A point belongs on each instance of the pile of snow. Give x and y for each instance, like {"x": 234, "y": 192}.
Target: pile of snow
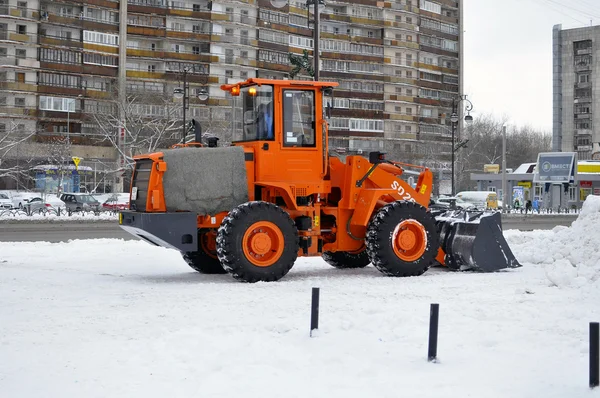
{"x": 571, "y": 255}
{"x": 51, "y": 217}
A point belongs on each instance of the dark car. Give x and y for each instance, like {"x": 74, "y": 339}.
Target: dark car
{"x": 80, "y": 201}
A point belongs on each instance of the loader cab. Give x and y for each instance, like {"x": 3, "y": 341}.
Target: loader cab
{"x": 283, "y": 121}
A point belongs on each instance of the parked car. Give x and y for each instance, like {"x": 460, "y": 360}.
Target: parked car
{"x": 5, "y": 202}
{"x": 117, "y": 202}
{"x": 80, "y": 201}
{"x": 34, "y": 205}
{"x": 460, "y": 204}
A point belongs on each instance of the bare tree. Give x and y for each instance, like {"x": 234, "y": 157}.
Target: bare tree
{"x": 12, "y": 164}
{"x": 485, "y": 147}
{"x": 151, "y": 121}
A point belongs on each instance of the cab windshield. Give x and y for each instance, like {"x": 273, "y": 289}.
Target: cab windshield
{"x": 253, "y": 114}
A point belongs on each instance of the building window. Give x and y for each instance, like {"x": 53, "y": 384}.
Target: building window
{"x": 243, "y": 75}
{"x": 22, "y": 29}
{"x": 229, "y": 74}
{"x": 151, "y": 68}
{"x": 409, "y": 74}
{"x": 409, "y": 111}
{"x": 408, "y": 129}
{"x": 244, "y": 54}
{"x": 408, "y": 20}
{"x": 20, "y": 102}
{"x": 20, "y": 53}
{"x": 408, "y": 38}
{"x": 572, "y": 194}
{"x": 3, "y": 101}
{"x": 3, "y": 52}
{"x": 398, "y": 90}
{"x": 196, "y": 50}
{"x": 57, "y": 104}
{"x": 583, "y": 78}
{"x": 409, "y": 92}
{"x": 196, "y": 7}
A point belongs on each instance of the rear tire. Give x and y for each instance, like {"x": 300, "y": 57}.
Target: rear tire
{"x": 257, "y": 241}
{"x": 205, "y": 260}
{"x": 402, "y": 239}
{"x": 346, "y": 260}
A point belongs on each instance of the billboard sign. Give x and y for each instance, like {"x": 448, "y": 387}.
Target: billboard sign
{"x": 555, "y": 167}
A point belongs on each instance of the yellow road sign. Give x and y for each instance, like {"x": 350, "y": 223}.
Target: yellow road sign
{"x": 76, "y": 160}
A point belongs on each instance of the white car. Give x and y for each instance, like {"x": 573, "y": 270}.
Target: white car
{"x": 460, "y": 204}
{"x": 5, "y": 202}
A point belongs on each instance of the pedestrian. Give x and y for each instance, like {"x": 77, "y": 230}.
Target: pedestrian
{"x": 528, "y": 207}
{"x": 536, "y": 206}
{"x": 517, "y": 204}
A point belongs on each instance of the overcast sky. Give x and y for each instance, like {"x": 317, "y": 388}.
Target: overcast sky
{"x": 508, "y": 54}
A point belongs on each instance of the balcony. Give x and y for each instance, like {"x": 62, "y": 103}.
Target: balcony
{"x": 59, "y": 90}
{"x": 57, "y": 41}
{"x": 175, "y": 34}
{"x": 140, "y": 74}
{"x": 22, "y": 38}
{"x": 583, "y": 116}
{"x": 18, "y": 12}
{"x": 146, "y": 31}
{"x": 581, "y": 67}
{"x": 19, "y": 86}
{"x": 17, "y": 111}
{"x": 22, "y": 62}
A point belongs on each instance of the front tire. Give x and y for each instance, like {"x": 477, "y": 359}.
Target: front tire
{"x": 257, "y": 241}
{"x": 347, "y": 260}
{"x": 402, "y": 239}
{"x": 205, "y": 260}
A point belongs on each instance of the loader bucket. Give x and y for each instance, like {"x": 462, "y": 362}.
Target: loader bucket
{"x": 473, "y": 240}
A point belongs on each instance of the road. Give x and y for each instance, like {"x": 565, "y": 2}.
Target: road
{"x": 60, "y": 232}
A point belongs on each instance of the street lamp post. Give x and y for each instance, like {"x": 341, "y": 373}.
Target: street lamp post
{"x": 319, "y": 6}
{"x": 454, "y": 119}
{"x": 184, "y": 94}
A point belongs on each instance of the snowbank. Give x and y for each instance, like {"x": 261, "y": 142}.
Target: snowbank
{"x": 571, "y": 255}
{"x": 64, "y": 217}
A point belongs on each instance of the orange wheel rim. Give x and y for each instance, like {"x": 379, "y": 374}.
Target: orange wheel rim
{"x": 263, "y": 244}
{"x": 409, "y": 240}
{"x": 208, "y": 242}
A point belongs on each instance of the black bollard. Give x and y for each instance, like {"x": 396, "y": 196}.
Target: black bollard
{"x": 594, "y": 355}
{"x": 434, "y": 314}
{"x": 314, "y": 312}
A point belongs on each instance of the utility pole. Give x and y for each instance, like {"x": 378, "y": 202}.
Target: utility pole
{"x": 185, "y": 101}
{"x": 504, "y": 203}
{"x": 316, "y": 40}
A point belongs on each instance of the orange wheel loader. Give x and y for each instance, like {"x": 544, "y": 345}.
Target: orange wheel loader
{"x": 252, "y": 207}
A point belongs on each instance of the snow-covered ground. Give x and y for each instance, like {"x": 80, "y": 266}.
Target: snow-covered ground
{"x": 111, "y": 318}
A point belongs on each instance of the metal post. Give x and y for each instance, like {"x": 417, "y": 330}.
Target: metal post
{"x": 68, "y": 122}
{"x": 316, "y": 41}
{"x": 185, "y": 98}
{"x": 314, "y": 313}
{"x": 594, "y": 355}
{"x": 504, "y": 203}
{"x": 434, "y": 314}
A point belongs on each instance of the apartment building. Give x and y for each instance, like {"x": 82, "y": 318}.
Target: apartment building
{"x": 64, "y": 61}
{"x": 576, "y": 91}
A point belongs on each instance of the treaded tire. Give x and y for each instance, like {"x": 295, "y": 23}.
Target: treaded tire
{"x": 380, "y": 245}
{"x": 204, "y": 260}
{"x": 347, "y": 260}
{"x": 232, "y": 242}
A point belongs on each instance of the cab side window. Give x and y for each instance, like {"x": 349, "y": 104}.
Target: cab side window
{"x": 298, "y": 118}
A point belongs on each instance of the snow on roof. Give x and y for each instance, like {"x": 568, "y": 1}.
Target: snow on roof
{"x": 525, "y": 168}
